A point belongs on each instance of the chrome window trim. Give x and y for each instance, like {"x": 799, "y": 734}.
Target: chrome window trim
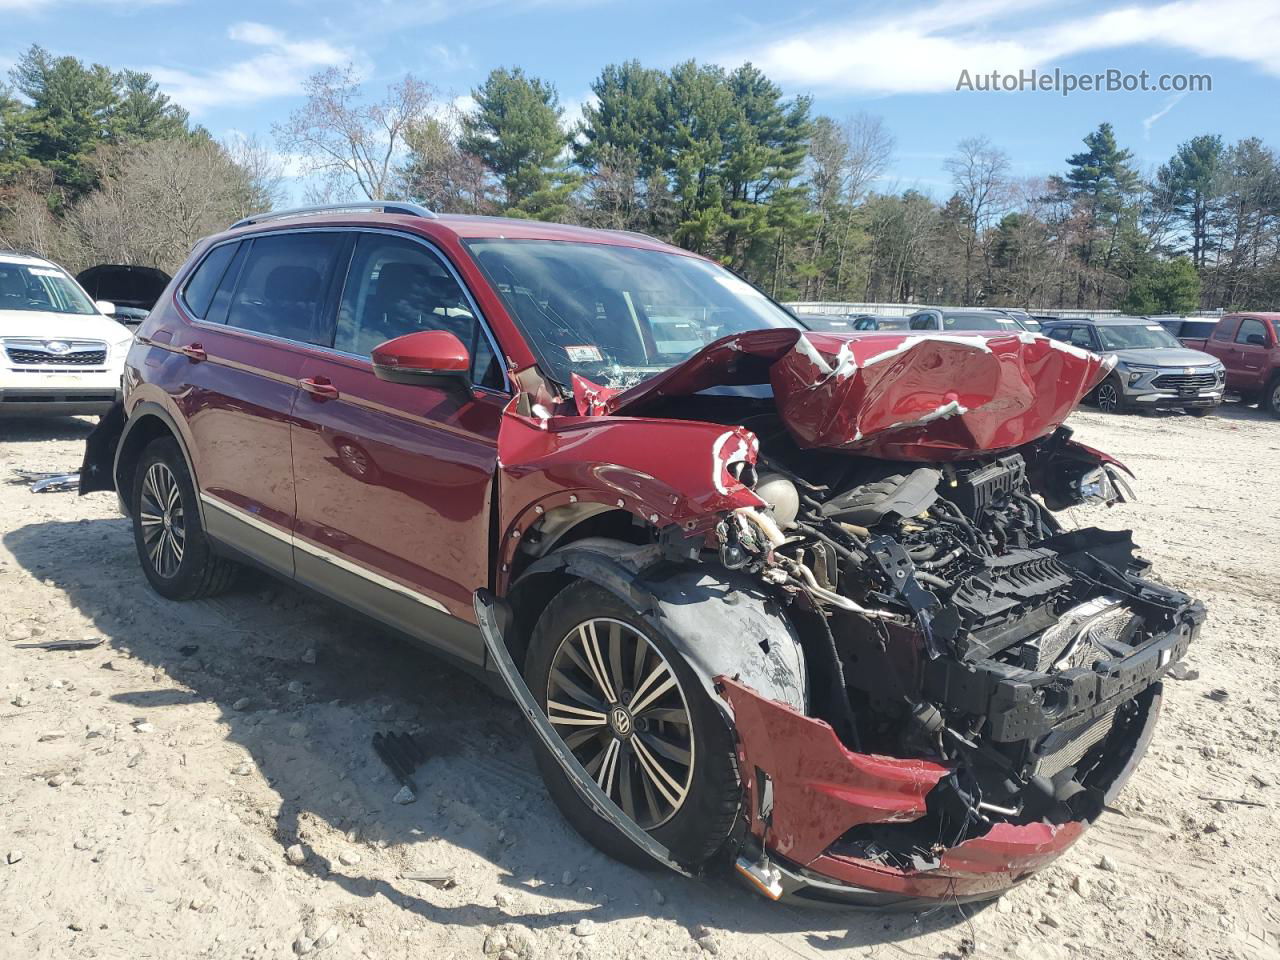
{"x": 499, "y": 355}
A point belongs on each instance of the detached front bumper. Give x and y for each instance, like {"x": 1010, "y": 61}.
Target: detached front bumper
{"x": 805, "y": 790}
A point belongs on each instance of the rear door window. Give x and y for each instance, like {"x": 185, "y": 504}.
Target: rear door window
{"x": 922, "y": 321}
{"x": 283, "y": 284}
{"x": 199, "y": 291}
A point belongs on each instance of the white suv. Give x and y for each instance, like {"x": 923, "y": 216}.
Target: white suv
{"x": 59, "y": 352}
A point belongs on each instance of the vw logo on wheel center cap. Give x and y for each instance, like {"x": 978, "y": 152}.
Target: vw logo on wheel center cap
{"x": 620, "y": 721}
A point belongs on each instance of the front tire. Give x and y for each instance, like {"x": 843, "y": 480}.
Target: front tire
{"x": 1271, "y": 400}
{"x": 173, "y": 549}
{"x": 1110, "y": 396}
{"x": 638, "y": 719}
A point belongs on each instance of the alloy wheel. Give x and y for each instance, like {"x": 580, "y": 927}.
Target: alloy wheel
{"x": 354, "y": 459}
{"x": 164, "y": 532}
{"x": 1108, "y": 398}
{"x": 617, "y": 703}
{"x": 1275, "y": 399}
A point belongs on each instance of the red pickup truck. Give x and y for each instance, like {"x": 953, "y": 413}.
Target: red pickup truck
{"x": 1248, "y": 344}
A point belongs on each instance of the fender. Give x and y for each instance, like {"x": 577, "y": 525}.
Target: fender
{"x": 723, "y": 623}
{"x": 111, "y": 437}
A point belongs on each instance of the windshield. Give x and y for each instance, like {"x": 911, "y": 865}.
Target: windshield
{"x": 30, "y": 287}
{"x": 1135, "y": 336}
{"x": 978, "y": 321}
{"x": 618, "y": 315}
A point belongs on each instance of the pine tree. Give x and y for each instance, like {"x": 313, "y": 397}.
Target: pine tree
{"x": 516, "y": 132}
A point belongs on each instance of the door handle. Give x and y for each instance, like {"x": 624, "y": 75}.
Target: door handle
{"x": 319, "y": 387}
{"x": 195, "y": 353}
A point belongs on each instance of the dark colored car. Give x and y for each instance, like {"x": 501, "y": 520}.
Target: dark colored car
{"x": 1248, "y": 344}
{"x": 767, "y": 596}
{"x": 1153, "y": 371}
{"x": 1192, "y": 332}
{"x": 132, "y": 289}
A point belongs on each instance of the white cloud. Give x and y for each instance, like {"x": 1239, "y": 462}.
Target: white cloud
{"x": 572, "y": 109}
{"x": 441, "y": 56}
{"x": 925, "y": 49}
{"x": 277, "y": 71}
{"x": 1149, "y": 122}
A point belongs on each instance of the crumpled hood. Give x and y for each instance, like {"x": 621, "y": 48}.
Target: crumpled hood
{"x": 892, "y": 395}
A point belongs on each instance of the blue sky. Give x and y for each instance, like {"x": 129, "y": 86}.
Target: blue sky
{"x": 238, "y": 66}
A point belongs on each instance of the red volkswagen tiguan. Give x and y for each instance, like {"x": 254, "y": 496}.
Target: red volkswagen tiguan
{"x": 787, "y": 600}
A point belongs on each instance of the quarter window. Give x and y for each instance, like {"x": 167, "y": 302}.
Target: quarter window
{"x": 198, "y": 293}
{"x": 395, "y": 287}
{"x": 282, "y": 286}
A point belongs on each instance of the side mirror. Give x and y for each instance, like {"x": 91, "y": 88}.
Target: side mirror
{"x": 1257, "y": 339}
{"x": 105, "y": 307}
{"x": 427, "y": 358}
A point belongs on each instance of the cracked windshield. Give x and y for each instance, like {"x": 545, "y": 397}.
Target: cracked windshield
{"x": 618, "y": 315}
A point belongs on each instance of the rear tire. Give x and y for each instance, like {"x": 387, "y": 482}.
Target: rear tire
{"x": 584, "y": 615}
{"x": 174, "y": 551}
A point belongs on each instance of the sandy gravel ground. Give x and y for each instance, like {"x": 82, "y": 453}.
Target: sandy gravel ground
{"x": 202, "y": 785}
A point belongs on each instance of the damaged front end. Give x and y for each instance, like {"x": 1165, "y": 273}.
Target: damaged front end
{"x": 980, "y": 682}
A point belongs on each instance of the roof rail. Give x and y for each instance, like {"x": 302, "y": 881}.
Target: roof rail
{"x": 385, "y": 206}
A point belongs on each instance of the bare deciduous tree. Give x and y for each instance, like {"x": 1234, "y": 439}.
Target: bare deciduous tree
{"x": 263, "y": 169}
{"x": 869, "y": 149}
{"x": 350, "y": 143}
{"x": 441, "y": 175}
{"x": 979, "y": 172}
{"x": 155, "y": 200}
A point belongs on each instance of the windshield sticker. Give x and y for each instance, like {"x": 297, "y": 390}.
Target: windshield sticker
{"x": 43, "y": 272}
{"x": 583, "y": 353}
{"x": 1156, "y": 327}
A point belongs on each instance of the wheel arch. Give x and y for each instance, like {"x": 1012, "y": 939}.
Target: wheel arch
{"x": 149, "y": 422}
{"x": 722, "y": 622}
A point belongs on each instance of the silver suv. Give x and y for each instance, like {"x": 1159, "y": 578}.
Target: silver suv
{"x": 1153, "y": 370}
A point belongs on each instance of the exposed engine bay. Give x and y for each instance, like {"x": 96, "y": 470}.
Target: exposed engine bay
{"x": 934, "y": 684}
{"x": 960, "y": 622}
